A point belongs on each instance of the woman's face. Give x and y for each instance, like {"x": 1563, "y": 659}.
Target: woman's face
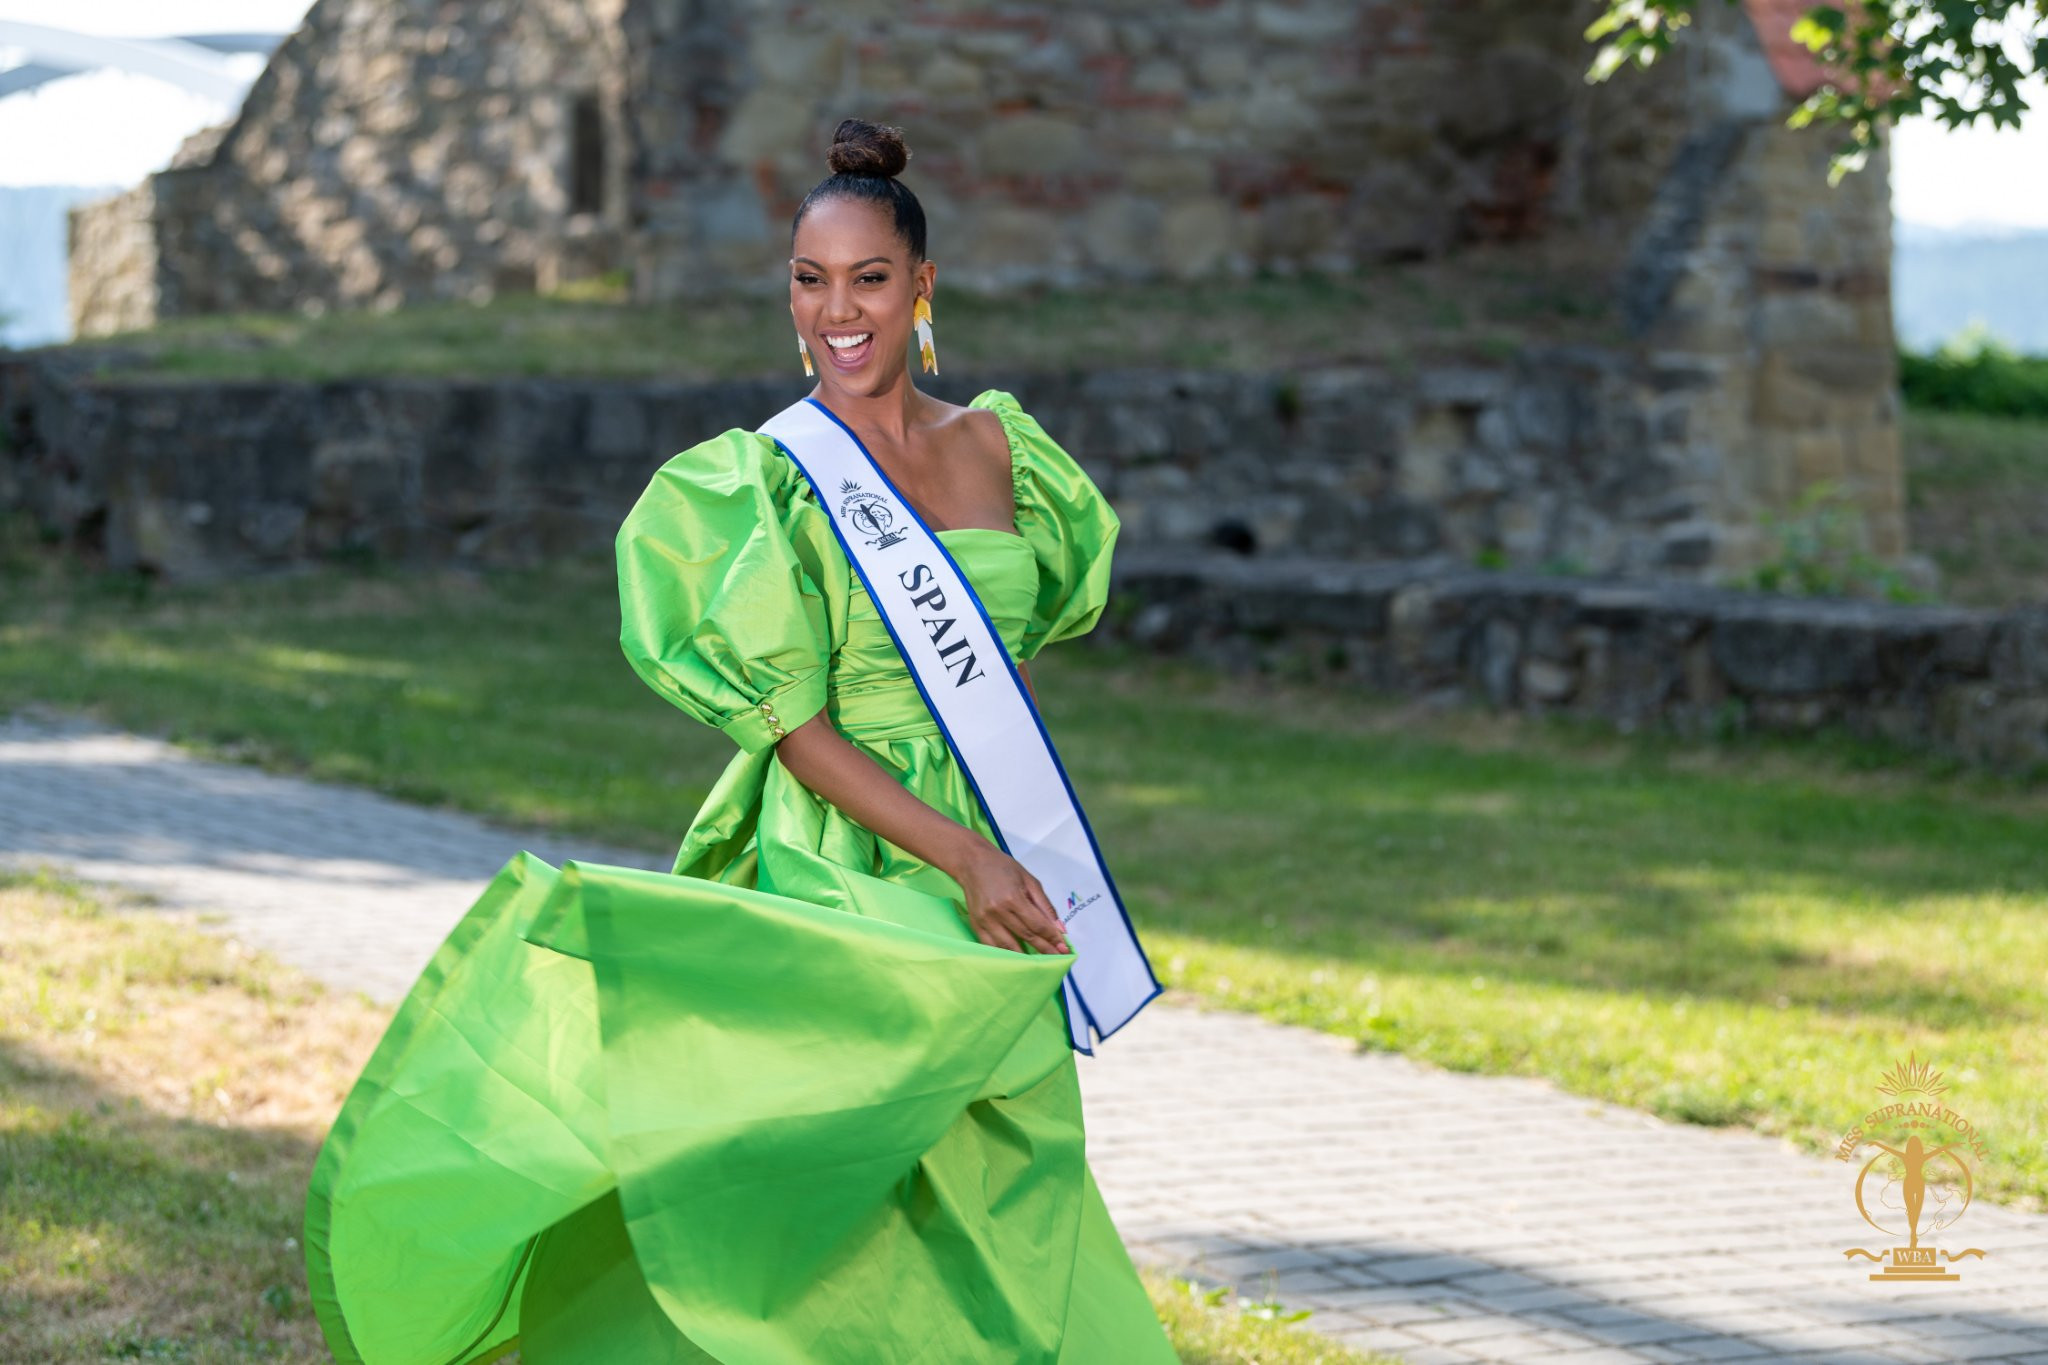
{"x": 850, "y": 277}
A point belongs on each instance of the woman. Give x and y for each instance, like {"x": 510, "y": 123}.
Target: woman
{"x": 810, "y": 1097}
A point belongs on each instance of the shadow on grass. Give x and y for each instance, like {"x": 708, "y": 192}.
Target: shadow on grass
{"x": 128, "y": 1234}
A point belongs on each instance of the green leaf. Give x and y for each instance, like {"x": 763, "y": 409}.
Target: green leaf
{"x": 1813, "y": 36}
{"x": 1606, "y": 63}
{"x": 1605, "y": 24}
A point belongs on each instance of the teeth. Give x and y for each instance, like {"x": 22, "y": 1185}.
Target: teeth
{"x": 841, "y": 343}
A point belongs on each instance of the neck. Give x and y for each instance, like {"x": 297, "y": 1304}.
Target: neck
{"x": 889, "y": 412}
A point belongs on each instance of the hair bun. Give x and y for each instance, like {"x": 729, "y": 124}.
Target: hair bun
{"x": 863, "y": 148}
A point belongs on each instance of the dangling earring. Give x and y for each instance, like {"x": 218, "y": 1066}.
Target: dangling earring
{"x": 922, "y": 316}
{"x": 805, "y": 352}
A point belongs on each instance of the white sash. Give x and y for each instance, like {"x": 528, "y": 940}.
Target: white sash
{"x": 984, "y": 711}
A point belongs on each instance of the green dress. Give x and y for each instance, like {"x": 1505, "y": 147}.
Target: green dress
{"x": 777, "y": 1106}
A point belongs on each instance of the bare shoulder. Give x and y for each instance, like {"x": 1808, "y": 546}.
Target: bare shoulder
{"x": 977, "y": 430}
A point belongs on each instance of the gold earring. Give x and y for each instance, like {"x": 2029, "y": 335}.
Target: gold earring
{"x": 922, "y": 316}
{"x": 805, "y": 352}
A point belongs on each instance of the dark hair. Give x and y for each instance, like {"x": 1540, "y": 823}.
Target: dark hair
{"x": 865, "y": 160}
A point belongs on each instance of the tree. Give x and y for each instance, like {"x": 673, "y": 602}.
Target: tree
{"x": 1953, "y": 60}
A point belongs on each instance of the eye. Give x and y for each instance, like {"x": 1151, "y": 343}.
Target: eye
{"x": 806, "y": 277}
{"x": 876, "y": 275}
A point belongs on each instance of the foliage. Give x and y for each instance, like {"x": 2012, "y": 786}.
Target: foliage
{"x": 1821, "y": 550}
{"x": 1976, "y": 372}
{"x": 1952, "y": 60}
{"x": 612, "y": 286}
{"x": 1268, "y": 1309}
{"x": 1217, "y": 1326}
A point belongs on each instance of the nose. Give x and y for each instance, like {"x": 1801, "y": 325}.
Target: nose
{"x": 840, "y": 306}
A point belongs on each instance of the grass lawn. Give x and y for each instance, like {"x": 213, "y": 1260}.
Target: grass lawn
{"x": 162, "y": 1094}
{"x": 1483, "y": 302}
{"x": 1741, "y": 934}
{"x": 1977, "y": 503}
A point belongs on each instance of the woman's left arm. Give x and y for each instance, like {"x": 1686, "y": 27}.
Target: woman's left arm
{"x": 1024, "y": 672}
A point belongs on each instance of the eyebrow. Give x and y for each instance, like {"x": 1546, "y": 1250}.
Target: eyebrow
{"x": 855, "y": 266}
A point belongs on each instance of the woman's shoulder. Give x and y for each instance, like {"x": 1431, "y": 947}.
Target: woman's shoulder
{"x": 1034, "y": 454}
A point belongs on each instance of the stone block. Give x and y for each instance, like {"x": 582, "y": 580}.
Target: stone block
{"x": 1547, "y": 682}
{"x": 1195, "y": 236}
{"x": 1794, "y": 651}
{"x": 2018, "y": 653}
{"x": 1036, "y": 144}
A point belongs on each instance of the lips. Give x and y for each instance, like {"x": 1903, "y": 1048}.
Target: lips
{"x": 850, "y": 357}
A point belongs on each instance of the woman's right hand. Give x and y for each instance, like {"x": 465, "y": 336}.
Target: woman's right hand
{"x": 1006, "y": 904}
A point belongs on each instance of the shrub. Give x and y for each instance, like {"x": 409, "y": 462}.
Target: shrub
{"x": 1976, "y": 372}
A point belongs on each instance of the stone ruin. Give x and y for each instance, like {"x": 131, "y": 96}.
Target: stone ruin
{"x": 397, "y": 151}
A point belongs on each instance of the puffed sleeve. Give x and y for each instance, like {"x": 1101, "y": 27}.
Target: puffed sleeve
{"x": 1069, "y": 523}
{"x": 725, "y": 594}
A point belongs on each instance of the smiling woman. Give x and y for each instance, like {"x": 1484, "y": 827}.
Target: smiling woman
{"x": 811, "y": 1095}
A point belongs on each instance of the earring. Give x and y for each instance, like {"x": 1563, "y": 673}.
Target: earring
{"x": 805, "y": 352}
{"x": 922, "y": 316}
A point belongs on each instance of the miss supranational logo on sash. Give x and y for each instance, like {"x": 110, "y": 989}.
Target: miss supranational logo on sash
{"x": 868, "y": 512}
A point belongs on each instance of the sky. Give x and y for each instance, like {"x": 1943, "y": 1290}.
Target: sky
{"x": 109, "y": 128}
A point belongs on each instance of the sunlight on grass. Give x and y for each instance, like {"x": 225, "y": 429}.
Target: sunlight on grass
{"x": 297, "y": 661}
{"x": 1721, "y": 933}
{"x": 161, "y": 1091}
{"x": 1152, "y": 795}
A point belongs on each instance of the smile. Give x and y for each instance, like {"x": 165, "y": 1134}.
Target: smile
{"x": 850, "y": 351}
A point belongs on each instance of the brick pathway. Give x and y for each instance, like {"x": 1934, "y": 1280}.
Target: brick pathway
{"x": 1440, "y": 1216}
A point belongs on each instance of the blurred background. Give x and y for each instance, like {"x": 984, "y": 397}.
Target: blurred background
{"x": 81, "y": 120}
{"x": 1623, "y": 326}
{"x": 1591, "y": 560}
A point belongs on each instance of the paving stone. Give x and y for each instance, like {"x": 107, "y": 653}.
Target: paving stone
{"x": 1440, "y": 1355}
{"x": 1374, "y": 1338}
{"x": 1721, "y": 1348}
{"x": 1466, "y": 1330}
{"x": 1985, "y": 1345}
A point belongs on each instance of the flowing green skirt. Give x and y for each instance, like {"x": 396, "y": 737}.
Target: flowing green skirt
{"x": 630, "y": 1116}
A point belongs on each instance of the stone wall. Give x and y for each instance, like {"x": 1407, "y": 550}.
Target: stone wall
{"x": 198, "y": 481}
{"x": 111, "y": 250}
{"x": 402, "y": 150}
{"x": 1067, "y": 145}
{"x": 392, "y": 151}
{"x": 1969, "y": 683}
{"x": 1571, "y": 458}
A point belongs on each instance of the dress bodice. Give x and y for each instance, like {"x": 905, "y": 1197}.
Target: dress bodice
{"x": 870, "y": 694}
{"x": 738, "y": 602}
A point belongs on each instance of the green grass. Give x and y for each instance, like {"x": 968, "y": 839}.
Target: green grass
{"x": 1484, "y": 302}
{"x": 161, "y": 1096}
{"x": 1977, "y": 503}
{"x": 1748, "y": 933}
{"x": 163, "y": 1092}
